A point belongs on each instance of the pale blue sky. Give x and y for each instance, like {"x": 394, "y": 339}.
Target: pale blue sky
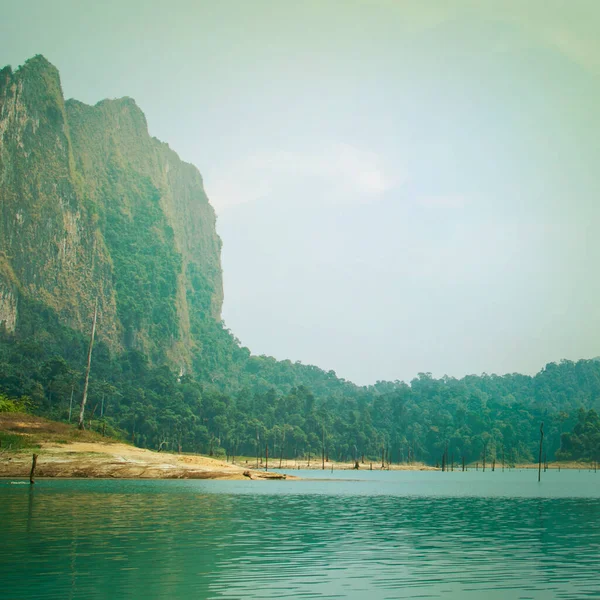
{"x": 401, "y": 186}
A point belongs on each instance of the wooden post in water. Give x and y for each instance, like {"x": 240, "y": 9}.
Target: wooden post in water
{"x": 493, "y": 464}
{"x": 388, "y": 454}
{"x": 267, "y": 456}
{"x": 32, "y": 472}
{"x": 540, "y": 457}
{"x": 463, "y": 462}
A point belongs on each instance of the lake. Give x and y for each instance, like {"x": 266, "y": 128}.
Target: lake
{"x": 380, "y": 535}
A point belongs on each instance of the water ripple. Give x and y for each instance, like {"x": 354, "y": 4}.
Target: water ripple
{"x": 117, "y": 539}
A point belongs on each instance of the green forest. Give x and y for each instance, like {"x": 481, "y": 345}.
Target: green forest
{"x": 238, "y": 403}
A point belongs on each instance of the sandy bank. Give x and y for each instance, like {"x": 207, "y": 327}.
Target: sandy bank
{"x": 97, "y": 457}
{"x": 102, "y": 460}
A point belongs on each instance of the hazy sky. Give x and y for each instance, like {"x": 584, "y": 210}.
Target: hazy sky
{"x": 401, "y": 186}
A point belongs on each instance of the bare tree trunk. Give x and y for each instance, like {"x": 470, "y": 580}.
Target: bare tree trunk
{"x": 71, "y": 401}
{"x": 323, "y": 450}
{"x": 540, "y": 457}
{"x": 87, "y": 370}
{"x": 92, "y": 416}
{"x": 484, "y": 455}
{"x": 266, "y": 457}
{"x": 257, "y": 447}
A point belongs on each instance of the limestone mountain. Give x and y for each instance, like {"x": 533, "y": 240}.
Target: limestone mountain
{"x": 93, "y": 206}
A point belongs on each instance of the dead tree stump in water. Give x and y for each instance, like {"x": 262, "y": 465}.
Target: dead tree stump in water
{"x": 32, "y": 473}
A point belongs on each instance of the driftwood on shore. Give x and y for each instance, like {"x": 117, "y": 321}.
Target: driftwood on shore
{"x": 255, "y": 475}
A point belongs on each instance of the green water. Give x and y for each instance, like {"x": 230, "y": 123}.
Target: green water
{"x": 387, "y": 535}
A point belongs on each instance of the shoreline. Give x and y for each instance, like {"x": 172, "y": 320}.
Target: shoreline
{"x": 65, "y": 452}
{"x": 116, "y": 460}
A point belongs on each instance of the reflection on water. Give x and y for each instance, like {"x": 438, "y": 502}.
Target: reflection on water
{"x": 392, "y": 535}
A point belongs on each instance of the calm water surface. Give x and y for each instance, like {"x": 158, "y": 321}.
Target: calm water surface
{"x": 385, "y": 535}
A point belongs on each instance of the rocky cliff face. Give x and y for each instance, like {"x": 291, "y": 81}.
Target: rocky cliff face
{"x": 92, "y": 206}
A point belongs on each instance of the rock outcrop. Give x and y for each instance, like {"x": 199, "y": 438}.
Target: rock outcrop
{"x": 92, "y": 206}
